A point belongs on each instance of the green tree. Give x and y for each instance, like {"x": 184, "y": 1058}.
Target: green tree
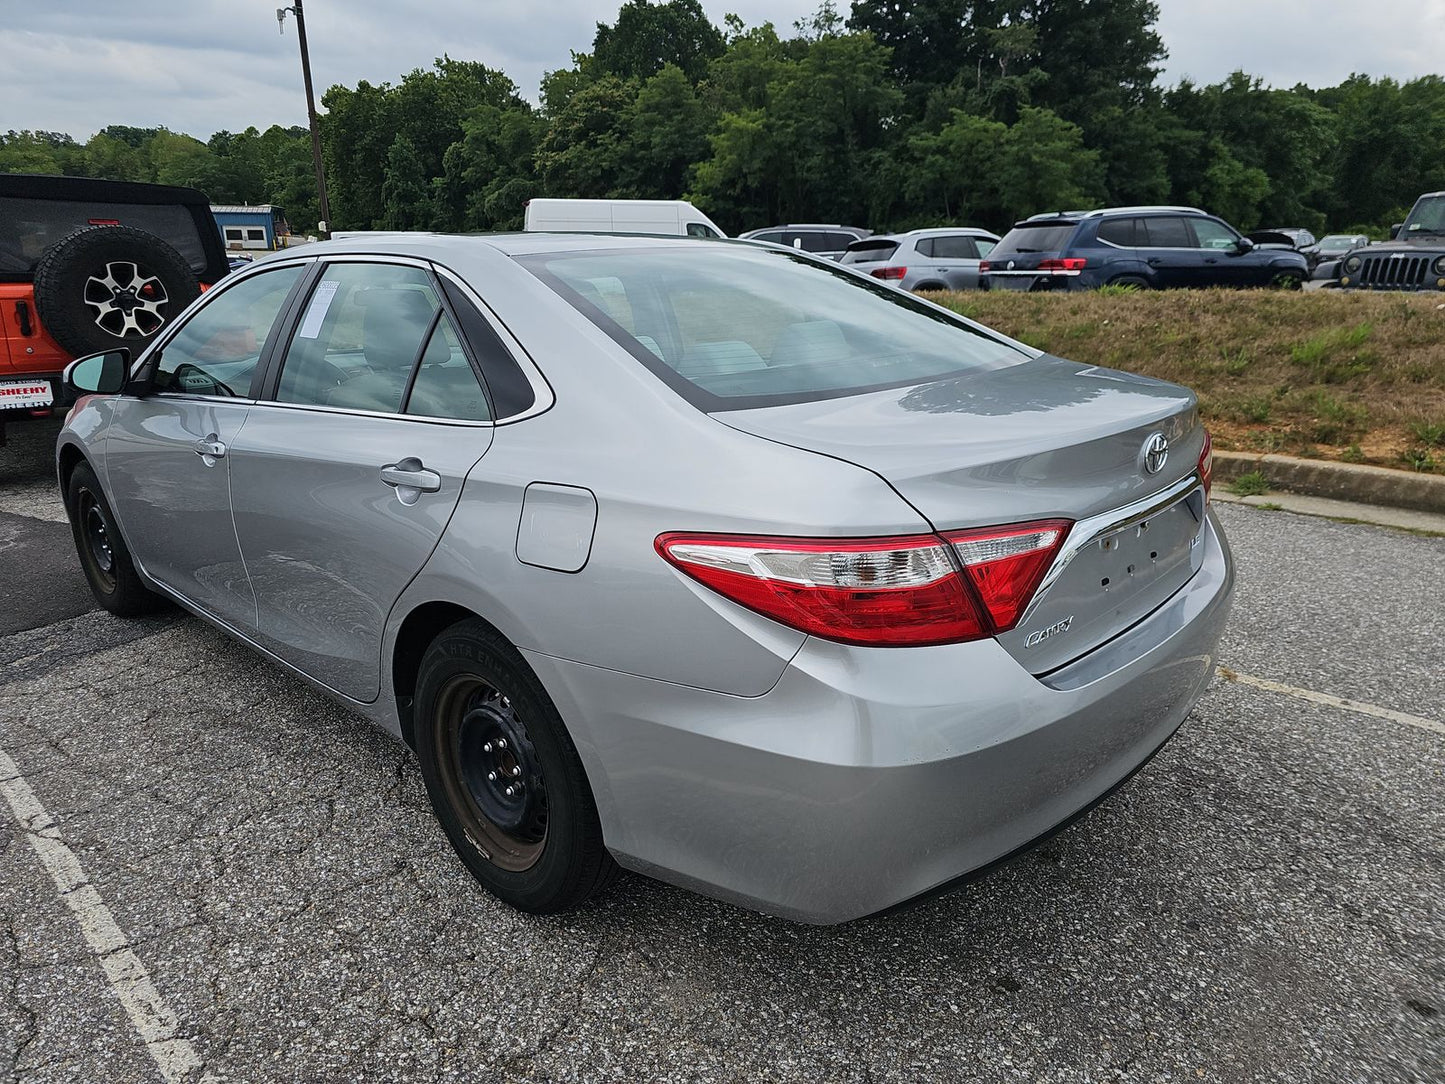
{"x": 649, "y": 36}
{"x": 405, "y": 192}
{"x": 1043, "y": 165}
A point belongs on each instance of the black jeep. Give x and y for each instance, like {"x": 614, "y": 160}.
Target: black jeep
{"x": 1413, "y": 258}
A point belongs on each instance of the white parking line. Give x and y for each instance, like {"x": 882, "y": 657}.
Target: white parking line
{"x": 175, "y": 1057}
{"x": 1418, "y": 721}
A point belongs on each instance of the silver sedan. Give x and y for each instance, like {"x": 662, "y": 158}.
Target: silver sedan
{"x": 697, "y": 558}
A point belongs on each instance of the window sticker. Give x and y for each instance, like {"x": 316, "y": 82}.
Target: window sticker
{"x": 317, "y": 310}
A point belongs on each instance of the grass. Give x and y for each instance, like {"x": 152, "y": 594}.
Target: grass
{"x": 1358, "y": 377}
{"x": 1249, "y": 485}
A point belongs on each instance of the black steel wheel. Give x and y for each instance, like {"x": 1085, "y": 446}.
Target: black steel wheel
{"x": 503, "y": 776}
{"x": 103, "y": 555}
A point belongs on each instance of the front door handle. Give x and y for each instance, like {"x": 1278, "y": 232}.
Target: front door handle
{"x": 410, "y": 474}
{"x": 210, "y": 448}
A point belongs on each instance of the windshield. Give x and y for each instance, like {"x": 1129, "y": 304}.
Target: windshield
{"x": 1338, "y": 242}
{"x": 734, "y": 327}
{"x": 1427, "y": 216}
{"x": 1050, "y": 238}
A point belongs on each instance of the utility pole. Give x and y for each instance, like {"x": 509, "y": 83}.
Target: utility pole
{"x": 324, "y": 226}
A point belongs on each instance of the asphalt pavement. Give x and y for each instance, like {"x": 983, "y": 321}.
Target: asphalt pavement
{"x": 1263, "y": 902}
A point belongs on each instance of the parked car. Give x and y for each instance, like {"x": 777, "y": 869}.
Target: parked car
{"x": 1145, "y": 247}
{"x": 1292, "y": 236}
{"x": 1333, "y": 246}
{"x": 88, "y": 265}
{"x": 712, "y": 560}
{"x": 821, "y": 240}
{"x": 1413, "y": 258}
{"x": 669, "y": 217}
{"x": 934, "y": 259}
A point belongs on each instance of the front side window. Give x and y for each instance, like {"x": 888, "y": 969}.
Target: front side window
{"x": 1214, "y": 235}
{"x": 359, "y": 337}
{"x": 700, "y": 229}
{"x": 735, "y": 327}
{"x": 216, "y": 351}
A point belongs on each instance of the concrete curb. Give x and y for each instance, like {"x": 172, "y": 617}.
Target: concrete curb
{"x": 1338, "y": 481}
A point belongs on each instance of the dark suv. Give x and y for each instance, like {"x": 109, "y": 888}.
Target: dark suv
{"x": 1413, "y": 258}
{"x": 1147, "y": 247}
{"x": 90, "y": 265}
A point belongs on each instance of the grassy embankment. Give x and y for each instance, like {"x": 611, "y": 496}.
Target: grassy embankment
{"x": 1350, "y": 376}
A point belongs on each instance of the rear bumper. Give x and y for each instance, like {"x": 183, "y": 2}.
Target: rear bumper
{"x": 9, "y": 381}
{"x": 867, "y": 777}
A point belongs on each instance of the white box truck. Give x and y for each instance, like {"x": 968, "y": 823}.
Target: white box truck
{"x": 673, "y": 217}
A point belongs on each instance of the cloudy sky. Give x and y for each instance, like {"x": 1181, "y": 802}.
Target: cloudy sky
{"x": 201, "y": 65}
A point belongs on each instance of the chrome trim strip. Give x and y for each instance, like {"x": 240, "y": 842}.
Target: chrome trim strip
{"x": 1036, "y": 272}
{"x": 1104, "y": 524}
{"x": 321, "y": 408}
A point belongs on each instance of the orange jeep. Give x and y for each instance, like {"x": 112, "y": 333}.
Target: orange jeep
{"x": 88, "y": 265}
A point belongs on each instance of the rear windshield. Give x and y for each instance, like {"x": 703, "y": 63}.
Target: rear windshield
{"x": 29, "y": 226}
{"x": 869, "y": 251}
{"x": 1044, "y": 238}
{"x": 732, "y": 327}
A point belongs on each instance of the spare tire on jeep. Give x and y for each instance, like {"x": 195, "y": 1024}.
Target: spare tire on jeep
{"x": 110, "y": 286}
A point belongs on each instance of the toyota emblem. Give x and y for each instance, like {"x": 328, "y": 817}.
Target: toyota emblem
{"x": 1154, "y": 453}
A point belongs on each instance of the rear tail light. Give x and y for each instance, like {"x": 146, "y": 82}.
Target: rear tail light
{"x": 888, "y": 272}
{"x": 1206, "y": 465}
{"x": 881, "y": 592}
{"x": 982, "y": 266}
{"x": 1069, "y": 263}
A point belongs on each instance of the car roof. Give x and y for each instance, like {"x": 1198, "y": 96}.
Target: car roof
{"x": 94, "y": 190}
{"x": 1102, "y": 211}
{"x": 440, "y": 245}
{"x": 807, "y": 226}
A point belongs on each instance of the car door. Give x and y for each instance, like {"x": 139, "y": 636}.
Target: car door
{"x": 1221, "y": 262}
{"x": 1166, "y": 244}
{"x": 955, "y": 258}
{"x": 348, "y": 470}
{"x": 167, "y": 454}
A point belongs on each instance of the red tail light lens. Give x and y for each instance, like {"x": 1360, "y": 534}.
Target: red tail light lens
{"x": 888, "y": 272}
{"x": 1071, "y": 263}
{"x": 1206, "y": 465}
{"x": 881, "y": 592}
{"x": 1005, "y": 564}
{"x": 982, "y": 266}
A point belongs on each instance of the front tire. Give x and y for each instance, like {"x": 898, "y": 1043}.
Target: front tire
{"x": 1287, "y": 280}
{"x": 104, "y": 558}
{"x": 503, "y": 775}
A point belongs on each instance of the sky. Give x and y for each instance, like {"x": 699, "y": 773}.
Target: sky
{"x": 199, "y": 66}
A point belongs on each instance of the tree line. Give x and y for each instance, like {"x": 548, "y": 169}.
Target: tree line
{"x": 933, "y": 112}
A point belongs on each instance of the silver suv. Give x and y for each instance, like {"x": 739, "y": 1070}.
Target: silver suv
{"x": 936, "y": 259}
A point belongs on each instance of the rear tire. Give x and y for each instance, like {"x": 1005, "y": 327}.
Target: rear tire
{"x": 922, "y": 286}
{"x": 1138, "y": 282}
{"x": 104, "y": 558}
{"x": 503, "y": 775}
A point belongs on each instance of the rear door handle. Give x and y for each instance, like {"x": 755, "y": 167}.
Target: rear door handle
{"x": 411, "y": 474}
{"x": 210, "y": 447}
{"x": 1154, "y": 261}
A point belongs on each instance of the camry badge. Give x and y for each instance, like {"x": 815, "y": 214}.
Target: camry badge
{"x": 1154, "y": 453}
{"x": 1053, "y": 630}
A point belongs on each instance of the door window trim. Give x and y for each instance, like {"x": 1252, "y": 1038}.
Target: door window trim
{"x": 231, "y": 281}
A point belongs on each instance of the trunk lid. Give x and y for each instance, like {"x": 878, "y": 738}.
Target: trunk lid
{"x": 1042, "y": 440}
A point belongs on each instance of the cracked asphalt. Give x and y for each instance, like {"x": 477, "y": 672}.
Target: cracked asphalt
{"x": 1262, "y": 903}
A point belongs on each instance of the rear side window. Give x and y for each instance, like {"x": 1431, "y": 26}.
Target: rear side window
{"x": 1041, "y": 238}
{"x": 1118, "y": 231}
{"x": 1164, "y": 232}
{"x": 837, "y": 242}
{"x": 359, "y": 337}
{"x": 869, "y": 251}
{"x": 956, "y": 247}
{"x": 29, "y": 226}
{"x": 736, "y": 327}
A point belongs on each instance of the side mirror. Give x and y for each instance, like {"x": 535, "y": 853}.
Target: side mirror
{"x": 98, "y": 374}
{"x": 1243, "y": 245}
{"x": 1395, "y": 230}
